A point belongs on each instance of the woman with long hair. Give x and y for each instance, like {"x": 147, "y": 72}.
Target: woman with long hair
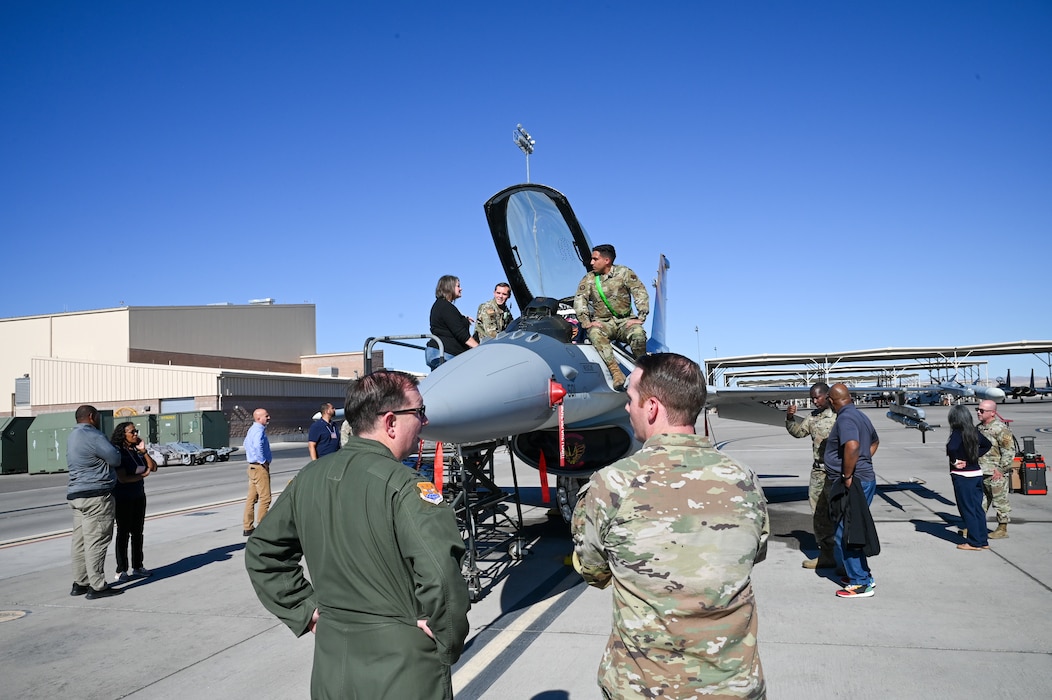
{"x": 130, "y": 499}
{"x": 964, "y": 448}
{"x": 448, "y": 324}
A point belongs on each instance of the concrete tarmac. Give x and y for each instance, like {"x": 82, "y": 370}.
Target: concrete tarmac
{"x": 944, "y": 623}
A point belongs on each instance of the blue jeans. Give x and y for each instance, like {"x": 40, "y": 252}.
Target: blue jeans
{"x": 853, "y": 560}
{"x": 968, "y": 490}
{"x": 432, "y": 358}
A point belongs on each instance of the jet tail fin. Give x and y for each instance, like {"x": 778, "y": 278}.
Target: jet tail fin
{"x": 656, "y": 341}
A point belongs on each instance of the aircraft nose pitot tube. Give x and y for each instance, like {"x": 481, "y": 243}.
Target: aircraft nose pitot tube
{"x": 503, "y": 390}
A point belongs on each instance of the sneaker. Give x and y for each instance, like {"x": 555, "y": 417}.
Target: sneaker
{"x": 79, "y": 589}
{"x": 141, "y": 573}
{"x": 123, "y": 577}
{"x": 856, "y": 592}
{"x": 845, "y": 581}
{"x": 104, "y": 593}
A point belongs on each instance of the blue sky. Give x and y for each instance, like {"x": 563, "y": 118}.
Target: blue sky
{"x": 821, "y": 175}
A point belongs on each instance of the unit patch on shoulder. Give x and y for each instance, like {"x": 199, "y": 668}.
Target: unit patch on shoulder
{"x": 429, "y": 493}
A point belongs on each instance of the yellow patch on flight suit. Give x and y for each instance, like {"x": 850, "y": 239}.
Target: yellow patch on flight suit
{"x": 429, "y": 493}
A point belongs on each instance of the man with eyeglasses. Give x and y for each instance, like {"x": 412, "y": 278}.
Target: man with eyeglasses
{"x": 996, "y": 465}
{"x": 386, "y": 597}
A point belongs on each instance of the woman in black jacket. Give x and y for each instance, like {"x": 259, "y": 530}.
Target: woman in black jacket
{"x": 448, "y": 324}
{"x": 964, "y": 448}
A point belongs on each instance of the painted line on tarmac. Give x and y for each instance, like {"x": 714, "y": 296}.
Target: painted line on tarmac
{"x": 472, "y": 679}
{"x": 44, "y": 537}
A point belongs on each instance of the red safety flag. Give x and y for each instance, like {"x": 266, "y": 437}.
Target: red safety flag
{"x": 562, "y": 437}
{"x": 542, "y": 467}
{"x": 438, "y": 468}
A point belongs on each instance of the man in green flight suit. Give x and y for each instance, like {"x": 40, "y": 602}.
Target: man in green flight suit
{"x": 677, "y": 528}
{"x": 603, "y": 305}
{"x": 386, "y": 597}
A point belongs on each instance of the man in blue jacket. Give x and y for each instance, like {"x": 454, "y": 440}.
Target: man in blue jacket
{"x": 92, "y": 463}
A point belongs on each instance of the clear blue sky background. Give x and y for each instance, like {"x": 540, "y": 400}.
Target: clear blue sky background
{"x": 821, "y": 175}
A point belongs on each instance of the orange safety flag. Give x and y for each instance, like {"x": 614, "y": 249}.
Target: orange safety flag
{"x": 542, "y": 467}
{"x": 438, "y": 468}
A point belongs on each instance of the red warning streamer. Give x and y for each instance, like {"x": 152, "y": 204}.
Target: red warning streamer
{"x": 562, "y": 437}
{"x": 542, "y": 467}
{"x": 438, "y": 467}
{"x": 556, "y": 394}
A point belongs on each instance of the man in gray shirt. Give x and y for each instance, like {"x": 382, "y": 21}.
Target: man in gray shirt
{"x": 92, "y": 463}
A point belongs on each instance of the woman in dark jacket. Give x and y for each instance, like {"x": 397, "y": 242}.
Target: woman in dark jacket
{"x": 447, "y": 323}
{"x": 130, "y": 499}
{"x": 964, "y": 448}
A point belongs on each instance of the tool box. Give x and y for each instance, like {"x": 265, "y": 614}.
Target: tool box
{"x": 1032, "y": 475}
{"x": 1032, "y": 470}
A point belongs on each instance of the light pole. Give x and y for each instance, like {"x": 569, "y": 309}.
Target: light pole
{"x": 525, "y": 142}
{"x": 697, "y": 336}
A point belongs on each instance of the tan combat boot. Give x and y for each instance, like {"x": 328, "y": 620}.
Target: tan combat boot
{"x": 617, "y": 376}
{"x": 824, "y": 560}
{"x": 1000, "y": 533}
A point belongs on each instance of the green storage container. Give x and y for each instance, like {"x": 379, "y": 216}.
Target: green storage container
{"x": 146, "y": 424}
{"x": 204, "y": 428}
{"x": 168, "y": 428}
{"x": 14, "y": 450}
{"x": 47, "y": 436}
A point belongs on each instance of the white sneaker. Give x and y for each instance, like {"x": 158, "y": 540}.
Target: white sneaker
{"x": 141, "y": 573}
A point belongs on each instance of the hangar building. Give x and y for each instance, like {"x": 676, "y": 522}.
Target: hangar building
{"x": 163, "y": 359}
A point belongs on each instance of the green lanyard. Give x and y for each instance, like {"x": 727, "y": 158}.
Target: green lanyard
{"x": 599, "y": 288}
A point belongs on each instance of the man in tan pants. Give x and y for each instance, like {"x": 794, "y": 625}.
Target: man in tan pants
{"x": 257, "y": 453}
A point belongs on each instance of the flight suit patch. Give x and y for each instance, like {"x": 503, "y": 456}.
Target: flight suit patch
{"x": 429, "y": 493}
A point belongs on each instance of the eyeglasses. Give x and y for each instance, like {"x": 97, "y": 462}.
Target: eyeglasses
{"x": 132, "y": 432}
{"x": 420, "y": 412}
{"x": 983, "y": 410}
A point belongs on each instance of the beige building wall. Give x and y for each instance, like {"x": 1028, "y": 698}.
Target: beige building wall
{"x": 263, "y": 338}
{"x": 74, "y": 382}
{"x": 21, "y": 339}
{"x": 87, "y": 335}
{"x": 278, "y": 333}
{"x": 99, "y": 336}
{"x": 349, "y": 365}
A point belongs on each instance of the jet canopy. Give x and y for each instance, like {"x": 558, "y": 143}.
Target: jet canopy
{"x": 542, "y": 246}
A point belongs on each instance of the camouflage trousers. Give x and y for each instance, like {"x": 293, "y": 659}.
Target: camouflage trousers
{"x": 995, "y": 493}
{"x": 617, "y": 329}
{"x": 825, "y": 529}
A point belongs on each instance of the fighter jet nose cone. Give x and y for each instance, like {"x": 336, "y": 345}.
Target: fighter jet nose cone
{"x": 489, "y": 392}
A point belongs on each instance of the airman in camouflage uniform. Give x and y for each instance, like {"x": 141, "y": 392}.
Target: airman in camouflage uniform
{"x": 818, "y": 425}
{"x": 612, "y": 319}
{"x": 996, "y": 465}
{"x": 493, "y": 316}
{"x": 677, "y": 528}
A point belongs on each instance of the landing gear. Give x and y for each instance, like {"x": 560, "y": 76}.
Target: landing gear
{"x": 517, "y": 549}
{"x": 566, "y": 494}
